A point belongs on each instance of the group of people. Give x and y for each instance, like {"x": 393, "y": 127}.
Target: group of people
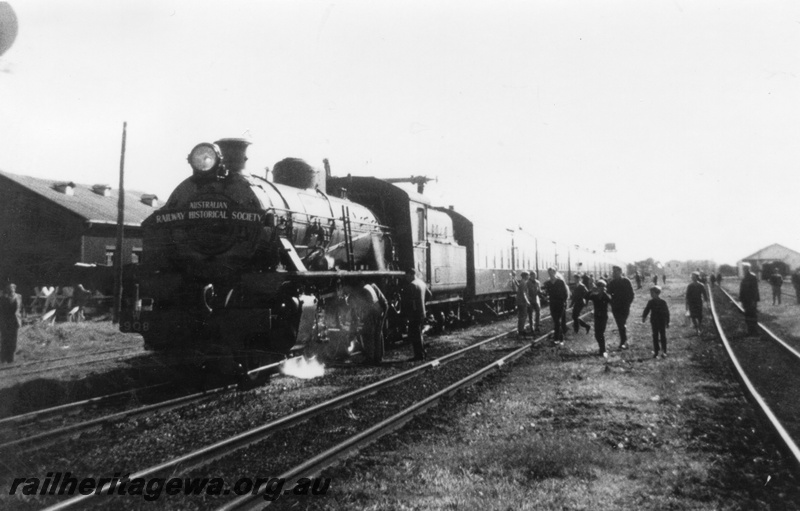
{"x": 616, "y": 292}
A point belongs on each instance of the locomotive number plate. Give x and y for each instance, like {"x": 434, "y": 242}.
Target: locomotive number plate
{"x": 136, "y": 326}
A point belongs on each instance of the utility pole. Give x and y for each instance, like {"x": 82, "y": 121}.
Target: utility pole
{"x": 120, "y": 231}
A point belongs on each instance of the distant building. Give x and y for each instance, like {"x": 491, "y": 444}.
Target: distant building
{"x": 771, "y": 254}
{"x": 47, "y": 226}
{"x": 676, "y": 268}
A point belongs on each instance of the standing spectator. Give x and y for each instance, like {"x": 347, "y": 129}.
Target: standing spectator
{"x": 557, "y": 294}
{"x": 535, "y": 309}
{"x": 588, "y": 281}
{"x": 415, "y": 293}
{"x": 81, "y": 297}
{"x": 600, "y": 298}
{"x": 695, "y": 294}
{"x": 664, "y": 279}
{"x": 659, "y": 320}
{"x": 621, "y": 291}
{"x": 655, "y": 279}
{"x": 522, "y": 291}
{"x": 719, "y": 279}
{"x": 749, "y": 296}
{"x": 713, "y": 280}
{"x": 796, "y": 283}
{"x": 638, "y": 279}
{"x": 10, "y": 321}
{"x": 776, "y": 281}
{"x": 578, "y": 301}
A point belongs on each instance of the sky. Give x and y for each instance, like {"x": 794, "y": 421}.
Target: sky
{"x": 669, "y": 128}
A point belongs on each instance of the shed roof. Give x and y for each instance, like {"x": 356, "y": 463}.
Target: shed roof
{"x": 774, "y": 251}
{"x": 85, "y": 202}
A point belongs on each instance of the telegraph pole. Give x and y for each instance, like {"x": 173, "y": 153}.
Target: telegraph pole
{"x": 120, "y": 230}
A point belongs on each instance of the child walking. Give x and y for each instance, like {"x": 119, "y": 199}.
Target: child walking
{"x": 600, "y": 298}
{"x": 659, "y": 320}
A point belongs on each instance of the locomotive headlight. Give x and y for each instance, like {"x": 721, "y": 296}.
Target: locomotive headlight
{"x": 205, "y": 158}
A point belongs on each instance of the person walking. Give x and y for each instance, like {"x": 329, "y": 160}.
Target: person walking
{"x": 600, "y": 299}
{"x": 638, "y": 279}
{"x": 621, "y": 291}
{"x": 578, "y": 301}
{"x": 776, "y": 281}
{"x": 10, "y": 321}
{"x": 557, "y": 294}
{"x": 415, "y": 294}
{"x": 522, "y": 290}
{"x": 749, "y": 296}
{"x": 659, "y": 320}
{"x": 695, "y": 294}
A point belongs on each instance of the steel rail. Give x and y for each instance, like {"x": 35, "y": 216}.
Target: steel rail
{"x": 766, "y": 330}
{"x": 48, "y": 437}
{"x": 752, "y": 394}
{"x": 60, "y": 359}
{"x": 353, "y": 444}
{"x": 74, "y": 364}
{"x": 225, "y": 447}
{"x": 65, "y": 408}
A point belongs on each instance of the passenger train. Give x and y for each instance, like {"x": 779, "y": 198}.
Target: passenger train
{"x": 240, "y": 268}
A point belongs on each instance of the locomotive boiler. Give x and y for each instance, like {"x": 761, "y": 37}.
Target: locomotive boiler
{"x": 239, "y": 269}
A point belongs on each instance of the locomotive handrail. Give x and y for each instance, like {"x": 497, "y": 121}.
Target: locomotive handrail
{"x": 205, "y": 299}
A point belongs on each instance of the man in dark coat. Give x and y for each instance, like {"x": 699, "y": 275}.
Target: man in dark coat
{"x": 415, "y": 293}
{"x": 695, "y": 294}
{"x": 579, "y": 293}
{"x": 10, "y": 321}
{"x": 557, "y": 294}
{"x": 621, "y": 291}
{"x": 749, "y": 296}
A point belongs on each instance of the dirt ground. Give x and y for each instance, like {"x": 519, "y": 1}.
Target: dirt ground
{"x": 563, "y": 430}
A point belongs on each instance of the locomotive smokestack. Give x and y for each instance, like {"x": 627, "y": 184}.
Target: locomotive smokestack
{"x": 233, "y": 153}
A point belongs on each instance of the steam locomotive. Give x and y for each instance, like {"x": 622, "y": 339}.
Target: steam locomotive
{"x": 238, "y": 268}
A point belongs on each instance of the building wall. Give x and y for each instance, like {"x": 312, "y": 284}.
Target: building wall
{"x": 40, "y": 242}
{"x": 100, "y": 239}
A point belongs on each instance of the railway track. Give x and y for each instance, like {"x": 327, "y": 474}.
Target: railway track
{"x": 768, "y": 369}
{"x": 205, "y": 456}
{"x": 208, "y": 454}
{"x": 71, "y": 364}
{"x": 8, "y": 368}
{"x": 24, "y": 422}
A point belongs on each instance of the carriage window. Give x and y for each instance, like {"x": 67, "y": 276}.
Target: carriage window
{"x": 420, "y": 223}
